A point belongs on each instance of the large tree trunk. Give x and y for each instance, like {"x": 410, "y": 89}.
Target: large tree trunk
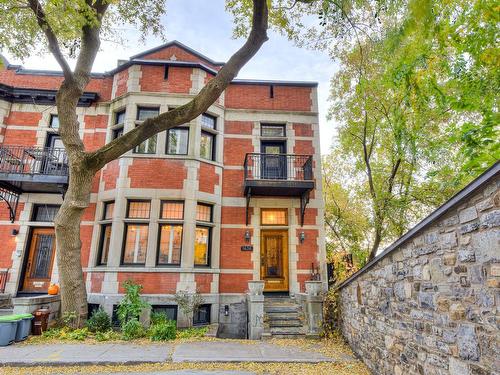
{"x": 67, "y": 225}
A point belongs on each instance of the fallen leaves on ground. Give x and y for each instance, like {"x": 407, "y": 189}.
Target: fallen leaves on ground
{"x": 350, "y": 368}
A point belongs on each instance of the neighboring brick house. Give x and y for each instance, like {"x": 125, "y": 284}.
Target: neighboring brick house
{"x": 233, "y": 196}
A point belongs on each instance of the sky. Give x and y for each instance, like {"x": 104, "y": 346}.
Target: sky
{"x": 205, "y": 26}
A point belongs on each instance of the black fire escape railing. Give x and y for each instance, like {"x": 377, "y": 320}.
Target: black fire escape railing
{"x": 289, "y": 169}
{"x": 21, "y": 163}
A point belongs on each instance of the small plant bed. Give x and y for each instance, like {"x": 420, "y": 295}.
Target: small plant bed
{"x": 99, "y": 328}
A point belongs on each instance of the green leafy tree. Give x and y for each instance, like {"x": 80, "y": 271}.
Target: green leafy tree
{"x": 417, "y": 104}
{"x": 75, "y": 29}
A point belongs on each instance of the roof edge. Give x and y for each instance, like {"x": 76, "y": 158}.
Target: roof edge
{"x": 468, "y": 190}
{"x": 180, "y": 45}
{"x": 57, "y": 73}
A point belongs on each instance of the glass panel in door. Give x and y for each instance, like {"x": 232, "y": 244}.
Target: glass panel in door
{"x": 40, "y": 260}
{"x": 273, "y": 161}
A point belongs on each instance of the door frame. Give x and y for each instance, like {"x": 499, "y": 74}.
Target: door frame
{"x": 27, "y": 253}
{"x": 286, "y": 265}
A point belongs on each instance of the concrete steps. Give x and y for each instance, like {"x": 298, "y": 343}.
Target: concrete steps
{"x": 283, "y": 318}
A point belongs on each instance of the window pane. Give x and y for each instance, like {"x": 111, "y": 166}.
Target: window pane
{"x": 206, "y": 146}
{"x": 274, "y": 217}
{"x": 201, "y": 315}
{"x": 120, "y": 117}
{"x": 117, "y": 133}
{"x": 44, "y": 212}
{"x": 54, "y": 121}
{"x": 272, "y": 130}
{"x": 136, "y": 243}
{"x": 208, "y": 121}
{"x": 138, "y": 210}
{"x": 202, "y": 238}
{"x": 170, "y": 244}
{"x": 147, "y": 147}
{"x": 204, "y": 212}
{"x": 169, "y": 310}
{"x": 145, "y": 113}
{"x": 172, "y": 210}
{"x": 105, "y": 240}
{"x": 178, "y": 141}
{"x": 109, "y": 208}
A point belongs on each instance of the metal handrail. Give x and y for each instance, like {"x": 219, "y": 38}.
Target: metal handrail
{"x": 33, "y": 160}
{"x": 289, "y": 167}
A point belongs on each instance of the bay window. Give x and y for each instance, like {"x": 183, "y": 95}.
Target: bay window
{"x": 203, "y": 235}
{"x": 149, "y": 145}
{"x": 170, "y": 233}
{"x": 105, "y": 238}
{"x": 136, "y": 233}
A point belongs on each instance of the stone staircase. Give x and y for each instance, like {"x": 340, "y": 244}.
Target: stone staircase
{"x": 283, "y": 318}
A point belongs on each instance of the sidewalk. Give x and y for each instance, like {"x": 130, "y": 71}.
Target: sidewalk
{"x": 122, "y": 353}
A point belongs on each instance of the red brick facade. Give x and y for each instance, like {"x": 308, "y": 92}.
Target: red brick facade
{"x": 159, "y": 177}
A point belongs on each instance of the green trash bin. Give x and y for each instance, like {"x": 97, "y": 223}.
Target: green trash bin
{"x": 8, "y": 329}
{"x": 23, "y": 327}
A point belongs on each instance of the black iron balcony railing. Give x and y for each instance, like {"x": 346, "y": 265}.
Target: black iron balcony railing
{"x": 31, "y": 170}
{"x": 278, "y": 175}
{"x": 33, "y": 160}
{"x": 285, "y": 167}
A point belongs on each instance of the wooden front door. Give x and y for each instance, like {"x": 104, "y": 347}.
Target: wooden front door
{"x": 274, "y": 260}
{"x": 40, "y": 260}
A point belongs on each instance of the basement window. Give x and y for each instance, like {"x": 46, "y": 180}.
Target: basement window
{"x": 169, "y": 310}
{"x": 202, "y": 315}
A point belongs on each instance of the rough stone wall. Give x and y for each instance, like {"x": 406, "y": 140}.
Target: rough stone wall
{"x": 431, "y": 306}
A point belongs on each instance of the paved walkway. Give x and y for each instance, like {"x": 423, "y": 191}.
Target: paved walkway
{"x": 122, "y": 353}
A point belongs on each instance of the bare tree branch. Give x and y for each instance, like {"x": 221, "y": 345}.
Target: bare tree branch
{"x": 54, "y": 48}
{"x": 199, "y": 104}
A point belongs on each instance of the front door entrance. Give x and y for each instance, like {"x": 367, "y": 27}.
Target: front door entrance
{"x": 274, "y": 260}
{"x": 40, "y": 260}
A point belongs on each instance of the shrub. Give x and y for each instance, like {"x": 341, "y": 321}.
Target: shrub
{"x": 163, "y": 330}
{"x": 99, "y": 321}
{"x": 132, "y": 329}
{"x": 107, "y": 336}
{"x": 131, "y": 305}
{"x": 159, "y": 317}
{"x": 192, "y": 332}
{"x": 188, "y": 302}
{"x": 77, "y": 334}
{"x": 52, "y": 333}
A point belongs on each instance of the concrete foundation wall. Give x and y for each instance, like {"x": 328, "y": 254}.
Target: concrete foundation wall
{"x": 431, "y": 304}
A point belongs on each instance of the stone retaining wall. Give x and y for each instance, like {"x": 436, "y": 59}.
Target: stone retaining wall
{"x": 430, "y": 304}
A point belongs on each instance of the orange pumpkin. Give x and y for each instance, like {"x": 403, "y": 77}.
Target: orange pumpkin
{"x": 53, "y": 289}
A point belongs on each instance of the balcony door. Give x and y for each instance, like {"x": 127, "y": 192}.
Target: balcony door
{"x": 273, "y": 166}
{"x": 54, "y": 157}
{"x": 274, "y": 260}
{"x": 40, "y": 261}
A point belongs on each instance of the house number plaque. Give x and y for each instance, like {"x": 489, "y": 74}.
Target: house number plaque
{"x": 247, "y": 248}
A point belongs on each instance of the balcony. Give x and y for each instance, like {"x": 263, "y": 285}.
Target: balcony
{"x": 278, "y": 175}
{"x": 31, "y": 170}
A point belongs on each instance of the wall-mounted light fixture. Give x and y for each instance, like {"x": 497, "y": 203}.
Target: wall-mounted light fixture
{"x": 247, "y": 236}
{"x": 226, "y": 310}
{"x": 302, "y": 237}
{"x": 15, "y": 232}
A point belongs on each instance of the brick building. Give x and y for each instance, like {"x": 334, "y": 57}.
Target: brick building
{"x": 233, "y": 196}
